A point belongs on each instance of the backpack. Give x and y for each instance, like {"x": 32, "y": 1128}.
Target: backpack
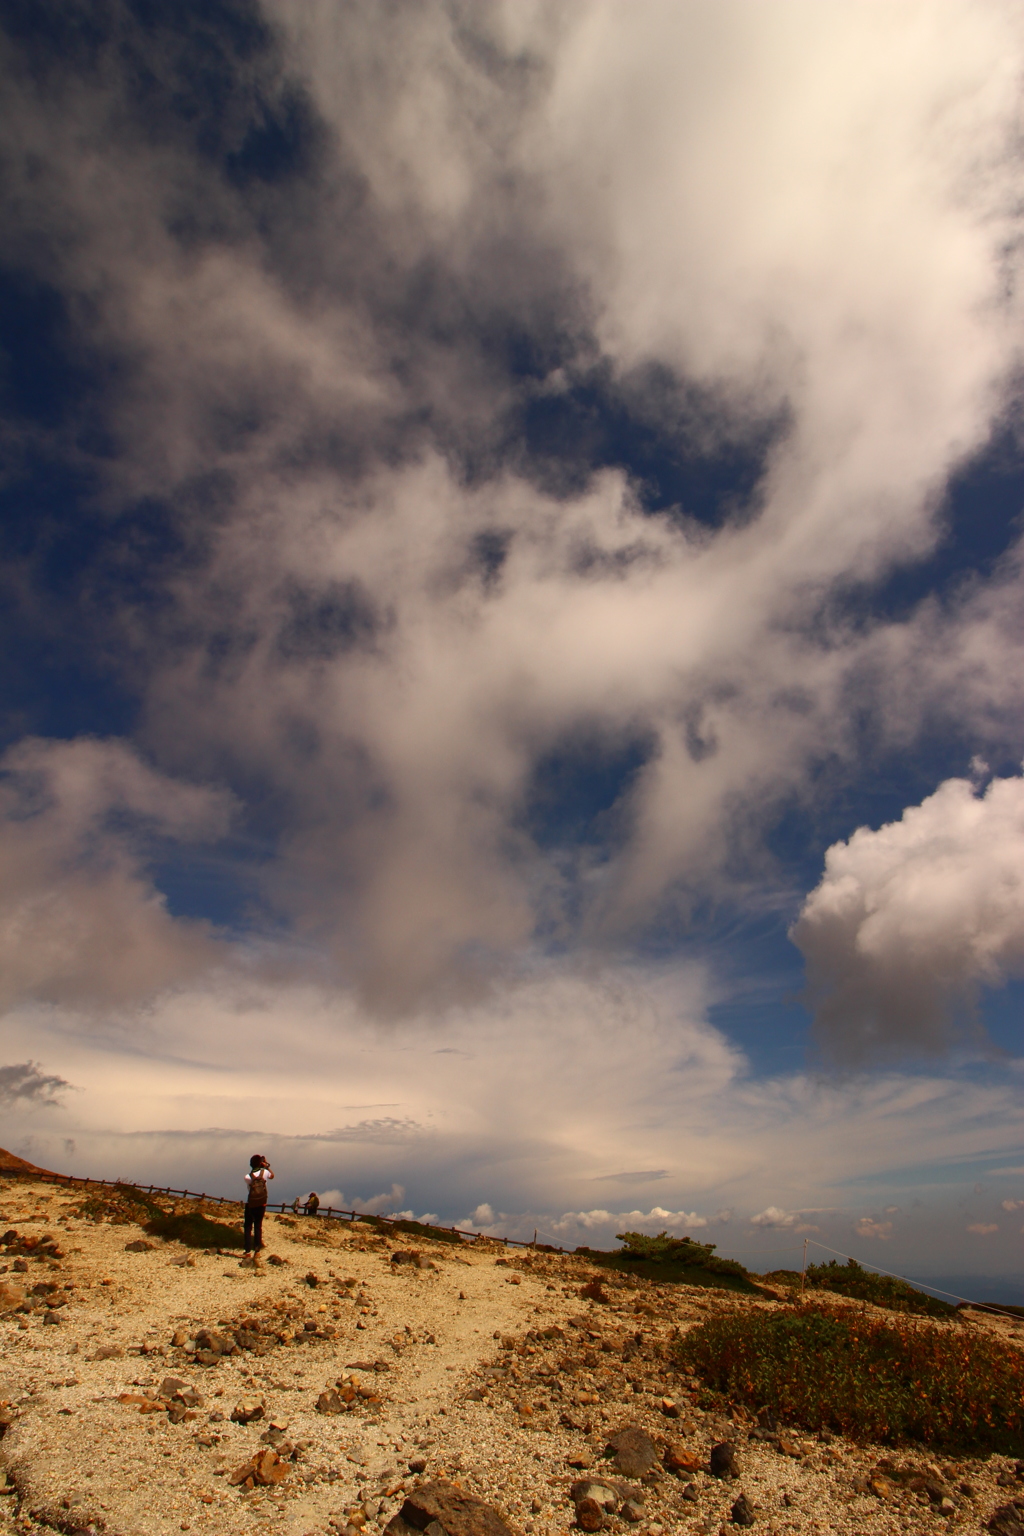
{"x": 257, "y": 1187}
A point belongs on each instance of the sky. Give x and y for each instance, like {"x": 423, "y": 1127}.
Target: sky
{"x": 512, "y": 562}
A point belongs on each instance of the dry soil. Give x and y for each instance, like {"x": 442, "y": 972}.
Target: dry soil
{"x": 488, "y": 1368}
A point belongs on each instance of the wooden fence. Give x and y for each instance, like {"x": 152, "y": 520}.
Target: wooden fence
{"x": 284, "y": 1208}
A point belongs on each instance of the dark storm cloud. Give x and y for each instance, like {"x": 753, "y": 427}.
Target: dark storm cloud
{"x": 27, "y": 1083}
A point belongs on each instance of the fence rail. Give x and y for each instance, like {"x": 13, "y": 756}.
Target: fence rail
{"x": 330, "y": 1213}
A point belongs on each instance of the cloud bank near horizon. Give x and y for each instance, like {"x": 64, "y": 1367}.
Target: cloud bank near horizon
{"x": 525, "y": 1115}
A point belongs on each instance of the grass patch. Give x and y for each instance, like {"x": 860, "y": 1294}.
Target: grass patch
{"x": 412, "y": 1229}
{"x": 850, "y": 1279}
{"x": 121, "y": 1206}
{"x": 125, "y": 1205}
{"x": 423, "y": 1229}
{"x": 866, "y": 1376}
{"x": 672, "y": 1274}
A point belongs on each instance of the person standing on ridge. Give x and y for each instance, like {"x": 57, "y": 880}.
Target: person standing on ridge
{"x": 256, "y": 1202}
{"x": 312, "y": 1205}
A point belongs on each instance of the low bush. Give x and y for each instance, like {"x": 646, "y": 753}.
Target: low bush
{"x": 125, "y": 1205}
{"x": 680, "y": 1251}
{"x": 194, "y": 1230}
{"x": 850, "y": 1279}
{"x": 865, "y": 1376}
{"x": 673, "y": 1260}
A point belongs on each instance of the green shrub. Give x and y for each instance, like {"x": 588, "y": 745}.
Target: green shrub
{"x": 657, "y": 1259}
{"x": 867, "y": 1377}
{"x": 673, "y": 1261}
{"x": 680, "y": 1251}
{"x": 850, "y": 1279}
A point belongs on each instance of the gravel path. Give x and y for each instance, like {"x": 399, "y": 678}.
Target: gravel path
{"x": 485, "y": 1368}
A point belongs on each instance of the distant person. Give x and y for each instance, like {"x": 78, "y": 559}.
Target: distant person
{"x": 256, "y": 1202}
{"x": 312, "y": 1205}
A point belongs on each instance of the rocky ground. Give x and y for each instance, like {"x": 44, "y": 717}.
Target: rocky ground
{"x": 149, "y": 1388}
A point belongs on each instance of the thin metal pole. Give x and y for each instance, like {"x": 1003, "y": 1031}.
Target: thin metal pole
{"x": 803, "y": 1272}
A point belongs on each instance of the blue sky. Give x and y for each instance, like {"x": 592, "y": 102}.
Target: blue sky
{"x": 510, "y": 538}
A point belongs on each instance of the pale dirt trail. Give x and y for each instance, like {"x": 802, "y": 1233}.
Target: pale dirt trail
{"x": 79, "y": 1458}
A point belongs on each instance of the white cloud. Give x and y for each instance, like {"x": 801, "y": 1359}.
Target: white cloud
{"x": 867, "y": 1227}
{"x": 910, "y": 920}
{"x": 430, "y": 1218}
{"x": 716, "y": 192}
{"x": 81, "y": 921}
{"x": 870, "y": 312}
{"x": 983, "y": 1228}
{"x": 1012, "y": 1205}
{"x": 774, "y": 1216}
{"x": 379, "y": 1205}
{"x": 583, "y": 1227}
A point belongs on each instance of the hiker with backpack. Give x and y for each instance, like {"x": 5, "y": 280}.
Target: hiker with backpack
{"x": 256, "y": 1202}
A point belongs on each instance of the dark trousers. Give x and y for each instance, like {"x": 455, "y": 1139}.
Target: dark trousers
{"x": 254, "y": 1228}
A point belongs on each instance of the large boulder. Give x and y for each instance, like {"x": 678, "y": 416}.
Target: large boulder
{"x": 455, "y": 1512}
{"x": 742, "y": 1512}
{"x": 608, "y": 1495}
{"x": 678, "y": 1458}
{"x": 632, "y": 1452}
{"x": 10, "y": 1297}
{"x": 248, "y": 1410}
{"x": 722, "y": 1460}
{"x": 262, "y": 1470}
{"x": 214, "y": 1342}
{"x": 1008, "y": 1519}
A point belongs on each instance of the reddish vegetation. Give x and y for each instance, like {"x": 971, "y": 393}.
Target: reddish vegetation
{"x": 868, "y": 1376}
